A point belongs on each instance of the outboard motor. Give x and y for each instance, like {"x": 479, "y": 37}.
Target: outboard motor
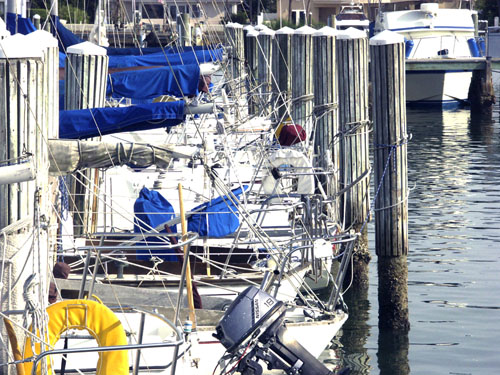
{"x": 256, "y": 316}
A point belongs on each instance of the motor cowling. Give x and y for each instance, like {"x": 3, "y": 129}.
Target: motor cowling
{"x": 254, "y": 314}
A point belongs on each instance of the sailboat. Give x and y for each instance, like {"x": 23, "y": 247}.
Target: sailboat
{"x": 271, "y": 214}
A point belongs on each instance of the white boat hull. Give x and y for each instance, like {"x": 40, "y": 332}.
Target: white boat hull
{"x": 201, "y": 353}
{"x": 437, "y": 88}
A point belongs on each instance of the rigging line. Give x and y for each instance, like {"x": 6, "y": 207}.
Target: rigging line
{"x": 176, "y": 276}
{"x": 25, "y": 330}
{"x": 114, "y": 208}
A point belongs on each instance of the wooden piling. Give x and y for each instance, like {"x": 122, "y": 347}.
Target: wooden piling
{"x": 236, "y": 56}
{"x": 282, "y": 84}
{"x": 264, "y": 69}
{"x": 387, "y": 52}
{"x": 252, "y": 71}
{"x": 22, "y": 116}
{"x": 481, "y": 91}
{"x": 85, "y": 81}
{"x": 25, "y": 205}
{"x": 354, "y": 124}
{"x": 326, "y": 147}
{"x": 302, "y": 82}
{"x": 184, "y": 29}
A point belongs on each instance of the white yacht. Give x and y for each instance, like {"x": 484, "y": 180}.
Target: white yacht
{"x": 434, "y": 33}
{"x": 352, "y": 16}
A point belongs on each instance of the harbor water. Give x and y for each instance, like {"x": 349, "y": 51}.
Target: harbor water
{"x": 453, "y": 261}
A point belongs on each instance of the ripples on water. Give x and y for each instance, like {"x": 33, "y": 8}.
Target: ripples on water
{"x": 454, "y": 259}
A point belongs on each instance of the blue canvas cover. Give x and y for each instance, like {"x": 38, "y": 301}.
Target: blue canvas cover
{"x": 64, "y": 36}
{"x": 19, "y": 25}
{"x": 62, "y": 60}
{"x": 113, "y": 51}
{"x": 178, "y": 80}
{"x": 87, "y": 123}
{"x": 151, "y": 209}
{"x": 217, "y": 218}
{"x": 196, "y": 56}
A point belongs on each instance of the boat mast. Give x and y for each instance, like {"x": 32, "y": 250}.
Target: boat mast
{"x": 54, "y": 8}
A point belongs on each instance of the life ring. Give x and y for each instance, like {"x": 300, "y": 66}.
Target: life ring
{"x": 292, "y": 158}
{"x": 98, "y": 320}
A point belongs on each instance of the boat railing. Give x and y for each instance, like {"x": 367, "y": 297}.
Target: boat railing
{"x": 179, "y": 340}
{"x": 127, "y": 247}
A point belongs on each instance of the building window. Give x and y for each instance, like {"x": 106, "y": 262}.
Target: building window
{"x": 196, "y": 10}
{"x": 152, "y": 10}
{"x": 299, "y": 17}
{"x": 176, "y": 10}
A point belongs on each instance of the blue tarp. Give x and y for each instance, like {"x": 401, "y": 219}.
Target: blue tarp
{"x": 87, "y": 123}
{"x": 24, "y": 25}
{"x": 217, "y": 218}
{"x": 178, "y": 80}
{"x": 62, "y": 60}
{"x": 64, "y": 36}
{"x": 151, "y": 209}
{"x": 166, "y": 59}
{"x": 112, "y": 51}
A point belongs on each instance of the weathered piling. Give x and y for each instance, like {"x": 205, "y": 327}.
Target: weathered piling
{"x": 282, "y": 84}
{"x": 326, "y": 149}
{"x": 481, "y": 91}
{"x": 184, "y": 29}
{"x": 236, "y": 56}
{"x": 50, "y": 109}
{"x": 387, "y": 52}
{"x": 86, "y": 74}
{"x": 352, "y": 69}
{"x": 21, "y": 101}
{"x": 25, "y": 204}
{"x": 302, "y": 82}
{"x": 264, "y": 69}
{"x": 252, "y": 72}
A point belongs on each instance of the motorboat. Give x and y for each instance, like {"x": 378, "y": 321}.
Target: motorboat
{"x": 432, "y": 33}
{"x": 352, "y": 16}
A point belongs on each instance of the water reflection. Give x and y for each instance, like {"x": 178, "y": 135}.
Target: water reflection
{"x": 481, "y": 127}
{"x": 453, "y": 261}
{"x": 355, "y": 331}
{"x": 392, "y": 353}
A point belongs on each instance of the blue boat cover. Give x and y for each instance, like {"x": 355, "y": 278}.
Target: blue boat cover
{"x": 151, "y": 209}
{"x": 217, "y": 218}
{"x": 112, "y": 51}
{"x": 196, "y": 56}
{"x": 64, "y": 36}
{"x": 87, "y": 123}
{"x": 24, "y": 25}
{"x": 178, "y": 80}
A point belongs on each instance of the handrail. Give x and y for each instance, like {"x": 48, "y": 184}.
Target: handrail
{"x": 191, "y": 238}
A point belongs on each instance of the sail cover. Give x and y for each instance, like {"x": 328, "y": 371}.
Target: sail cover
{"x": 151, "y": 209}
{"x": 113, "y": 51}
{"x": 69, "y": 155}
{"x": 87, "y": 123}
{"x": 18, "y": 24}
{"x": 217, "y": 218}
{"x": 64, "y": 36}
{"x": 195, "y": 56}
{"x": 178, "y": 80}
